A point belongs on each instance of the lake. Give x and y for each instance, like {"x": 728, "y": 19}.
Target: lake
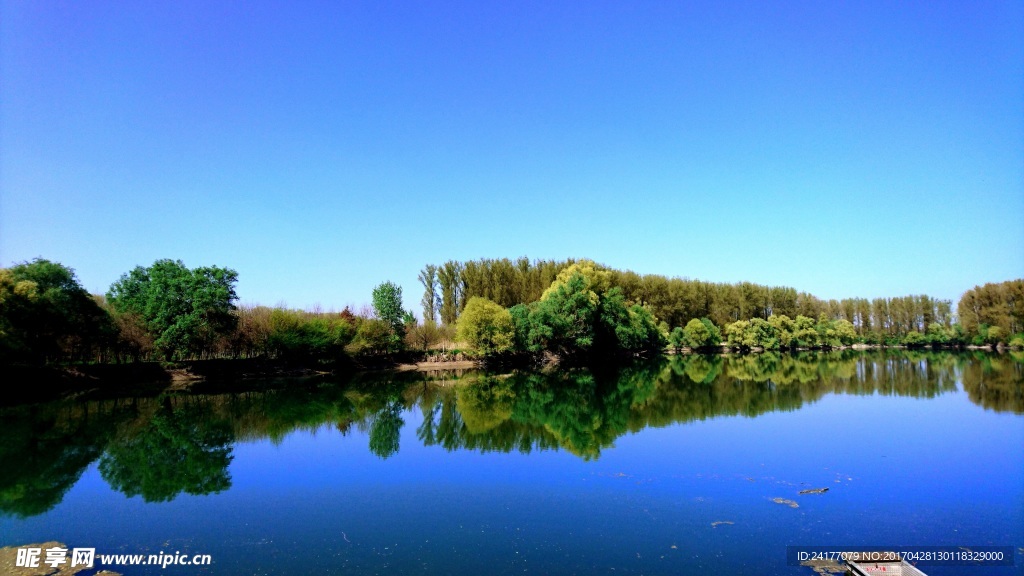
{"x": 664, "y": 467}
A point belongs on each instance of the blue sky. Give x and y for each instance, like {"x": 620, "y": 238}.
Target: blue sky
{"x": 843, "y": 148}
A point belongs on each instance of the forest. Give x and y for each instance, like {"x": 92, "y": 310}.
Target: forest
{"x": 488, "y": 308}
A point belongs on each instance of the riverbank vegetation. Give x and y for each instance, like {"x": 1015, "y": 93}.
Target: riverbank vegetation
{"x": 746, "y": 316}
{"x": 572, "y": 309}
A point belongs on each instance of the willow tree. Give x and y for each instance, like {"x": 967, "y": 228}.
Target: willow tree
{"x": 582, "y": 313}
{"x": 486, "y": 327}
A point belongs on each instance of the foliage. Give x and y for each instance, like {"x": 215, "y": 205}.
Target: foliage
{"x": 805, "y": 332}
{"x": 18, "y": 302}
{"x": 844, "y": 331}
{"x": 991, "y": 306}
{"x": 431, "y": 300}
{"x": 424, "y": 335}
{"x": 486, "y": 327}
{"x": 581, "y": 313}
{"x": 303, "y": 337}
{"x": 914, "y": 339}
{"x": 387, "y": 306}
{"x": 186, "y": 310}
{"x": 677, "y": 339}
{"x": 46, "y": 315}
{"x": 373, "y": 336}
{"x": 638, "y": 330}
{"x": 566, "y": 307}
{"x": 598, "y": 279}
{"x": 735, "y": 334}
{"x": 755, "y": 333}
{"x": 133, "y": 341}
{"x": 565, "y": 318}
{"x": 701, "y": 333}
{"x": 450, "y": 281}
{"x": 939, "y": 334}
{"x": 714, "y": 334}
{"x": 521, "y": 325}
{"x": 677, "y": 300}
{"x": 783, "y": 328}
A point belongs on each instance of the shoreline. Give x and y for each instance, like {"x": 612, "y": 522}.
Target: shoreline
{"x": 154, "y": 378}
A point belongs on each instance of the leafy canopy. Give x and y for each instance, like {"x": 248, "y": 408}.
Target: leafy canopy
{"x": 45, "y": 314}
{"x": 486, "y": 327}
{"x": 185, "y": 309}
{"x": 387, "y": 305}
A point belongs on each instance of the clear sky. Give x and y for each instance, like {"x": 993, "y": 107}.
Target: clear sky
{"x": 842, "y": 148}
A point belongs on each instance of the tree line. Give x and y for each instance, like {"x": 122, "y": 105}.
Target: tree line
{"x": 168, "y": 311}
{"x": 695, "y": 313}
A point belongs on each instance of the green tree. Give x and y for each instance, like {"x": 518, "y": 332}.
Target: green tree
{"x": 46, "y": 315}
{"x": 581, "y": 312}
{"x": 783, "y": 327}
{"x": 431, "y": 300}
{"x": 805, "y": 332}
{"x": 677, "y": 339}
{"x": 564, "y": 320}
{"x": 449, "y": 277}
{"x": 17, "y": 302}
{"x": 486, "y": 327}
{"x": 701, "y": 333}
{"x": 714, "y": 334}
{"x": 373, "y": 336}
{"x": 736, "y": 334}
{"x": 763, "y": 334}
{"x": 626, "y": 327}
{"x": 939, "y": 334}
{"x": 186, "y": 310}
{"x": 643, "y": 332}
{"x": 845, "y": 331}
{"x": 297, "y": 336}
{"x": 597, "y": 278}
{"x": 914, "y": 339}
{"x": 387, "y": 305}
{"x": 521, "y": 323}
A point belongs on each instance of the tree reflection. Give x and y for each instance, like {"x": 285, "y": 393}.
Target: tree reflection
{"x": 181, "y": 449}
{"x": 43, "y": 452}
{"x": 996, "y": 383}
{"x": 160, "y": 448}
{"x": 386, "y": 429}
{"x": 585, "y": 411}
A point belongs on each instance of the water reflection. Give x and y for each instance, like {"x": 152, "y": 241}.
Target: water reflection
{"x": 43, "y": 452}
{"x": 386, "y": 428}
{"x": 995, "y": 383}
{"x": 159, "y": 448}
{"x": 180, "y": 448}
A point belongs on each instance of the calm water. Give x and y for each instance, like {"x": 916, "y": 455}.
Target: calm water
{"x": 662, "y": 468}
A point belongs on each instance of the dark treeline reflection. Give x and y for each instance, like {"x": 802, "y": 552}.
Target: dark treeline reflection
{"x": 159, "y": 448}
